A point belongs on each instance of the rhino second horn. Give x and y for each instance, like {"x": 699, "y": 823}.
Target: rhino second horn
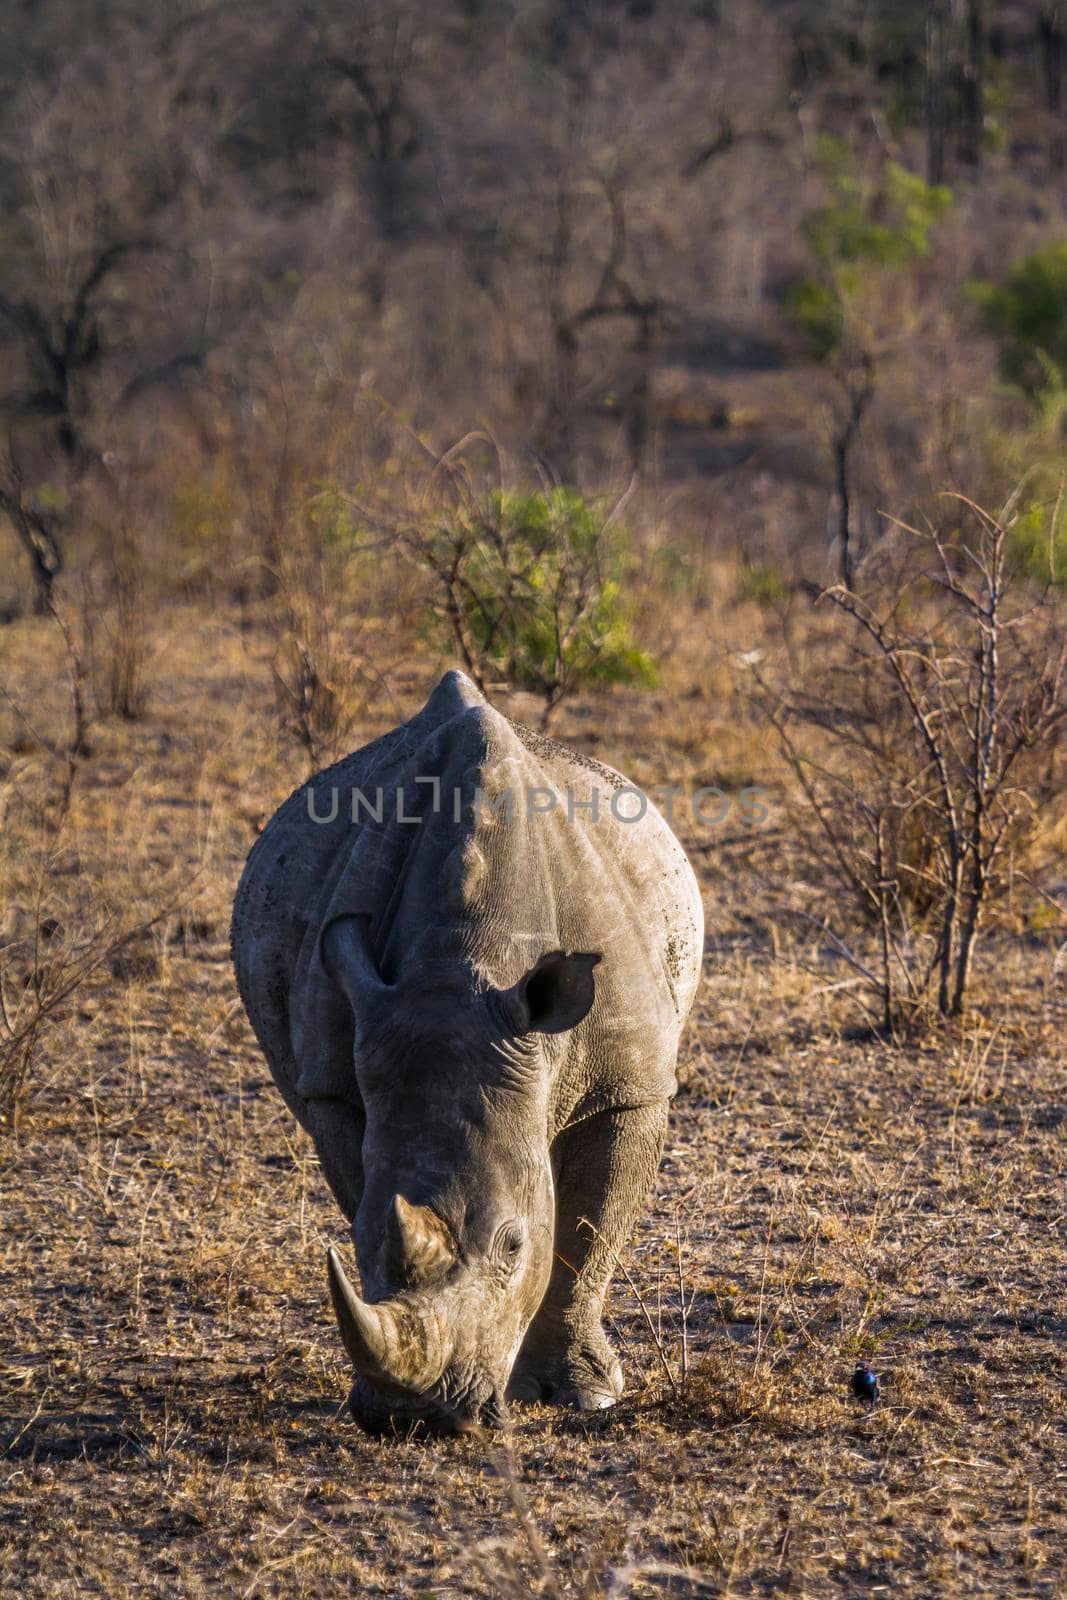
{"x": 402, "y": 1345}
{"x": 418, "y": 1247}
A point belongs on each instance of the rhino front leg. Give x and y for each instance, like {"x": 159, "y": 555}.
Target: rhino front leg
{"x": 605, "y": 1168}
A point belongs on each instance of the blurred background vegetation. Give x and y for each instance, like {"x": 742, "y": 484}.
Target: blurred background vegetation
{"x": 794, "y": 265}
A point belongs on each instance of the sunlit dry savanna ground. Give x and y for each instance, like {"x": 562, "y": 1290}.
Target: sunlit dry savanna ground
{"x": 172, "y": 1386}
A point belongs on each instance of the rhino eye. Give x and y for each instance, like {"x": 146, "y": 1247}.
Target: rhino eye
{"x": 509, "y": 1243}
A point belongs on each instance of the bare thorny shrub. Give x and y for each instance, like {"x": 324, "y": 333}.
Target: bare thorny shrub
{"x": 117, "y": 633}
{"x": 58, "y": 932}
{"x": 282, "y": 533}
{"x": 58, "y": 929}
{"x": 924, "y": 741}
{"x": 322, "y": 678}
{"x": 68, "y": 750}
{"x": 64, "y": 928}
{"x": 39, "y": 975}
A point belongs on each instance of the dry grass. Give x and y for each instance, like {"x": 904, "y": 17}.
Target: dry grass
{"x": 171, "y": 1385}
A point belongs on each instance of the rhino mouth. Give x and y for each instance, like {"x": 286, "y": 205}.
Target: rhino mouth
{"x": 409, "y": 1377}
{"x": 426, "y": 1416}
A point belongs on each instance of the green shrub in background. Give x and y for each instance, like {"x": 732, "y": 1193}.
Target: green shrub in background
{"x": 331, "y": 516}
{"x": 1037, "y": 542}
{"x": 675, "y": 570}
{"x": 762, "y": 582}
{"x": 535, "y": 586}
{"x": 862, "y": 303}
{"x": 865, "y": 230}
{"x": 1028, "y": 312}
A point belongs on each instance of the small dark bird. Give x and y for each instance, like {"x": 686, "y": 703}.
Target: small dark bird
{"x": 865, "y": 1385}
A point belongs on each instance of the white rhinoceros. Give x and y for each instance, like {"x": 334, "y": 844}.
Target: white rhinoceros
{"x": 468, "y": 953}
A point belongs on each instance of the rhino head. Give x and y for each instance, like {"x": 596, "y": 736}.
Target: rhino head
{"x": 455, "y": 1224}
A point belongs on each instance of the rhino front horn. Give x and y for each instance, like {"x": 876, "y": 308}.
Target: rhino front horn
{"x": 402, "y": 1344}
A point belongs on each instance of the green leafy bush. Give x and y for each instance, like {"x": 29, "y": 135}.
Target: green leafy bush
{"x": 817, "y": 311}
{"x": 535, "y": 585}
{"x": 761, "y": 581}
{"x": 864, "y": 229}
{"x": 1029, "y": 313}
{"x": 674, "y": 570}
{"x": 1037, "y": 543}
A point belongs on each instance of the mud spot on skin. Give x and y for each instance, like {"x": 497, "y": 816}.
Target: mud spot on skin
{"x": 672, "y": 956}
{"x": 541, "y": 745}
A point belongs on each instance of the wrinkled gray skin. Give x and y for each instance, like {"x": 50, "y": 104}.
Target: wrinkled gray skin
{"x": 477, "y": 1020}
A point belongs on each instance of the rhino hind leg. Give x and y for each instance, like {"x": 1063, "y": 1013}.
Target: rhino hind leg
{"x": 605, "y": 1169}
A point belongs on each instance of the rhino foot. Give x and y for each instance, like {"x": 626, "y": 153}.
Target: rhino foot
{"x": 586, "y": 1375}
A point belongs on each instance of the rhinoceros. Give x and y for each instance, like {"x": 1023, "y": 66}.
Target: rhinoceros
{"x": 467, "y": 953}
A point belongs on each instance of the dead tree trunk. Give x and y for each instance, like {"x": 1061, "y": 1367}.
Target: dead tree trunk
{"x": 936, "y": 92}
{"x": 40, "y": 544}
{"x": 971, "y": 90}
{"x": 639, "y": 412}
{"x": 858, "y": 400}
{"x": 1052, "y": 43}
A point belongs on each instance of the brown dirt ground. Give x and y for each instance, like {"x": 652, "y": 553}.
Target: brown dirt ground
{"x": 171, "y": 1382}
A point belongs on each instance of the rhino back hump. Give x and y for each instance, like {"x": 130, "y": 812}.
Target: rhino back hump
{"x": 472, "y": 882}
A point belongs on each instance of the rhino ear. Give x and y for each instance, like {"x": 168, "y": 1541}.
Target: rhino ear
{"x": 556, "y": 993}
{"x": 344, "y": 949}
